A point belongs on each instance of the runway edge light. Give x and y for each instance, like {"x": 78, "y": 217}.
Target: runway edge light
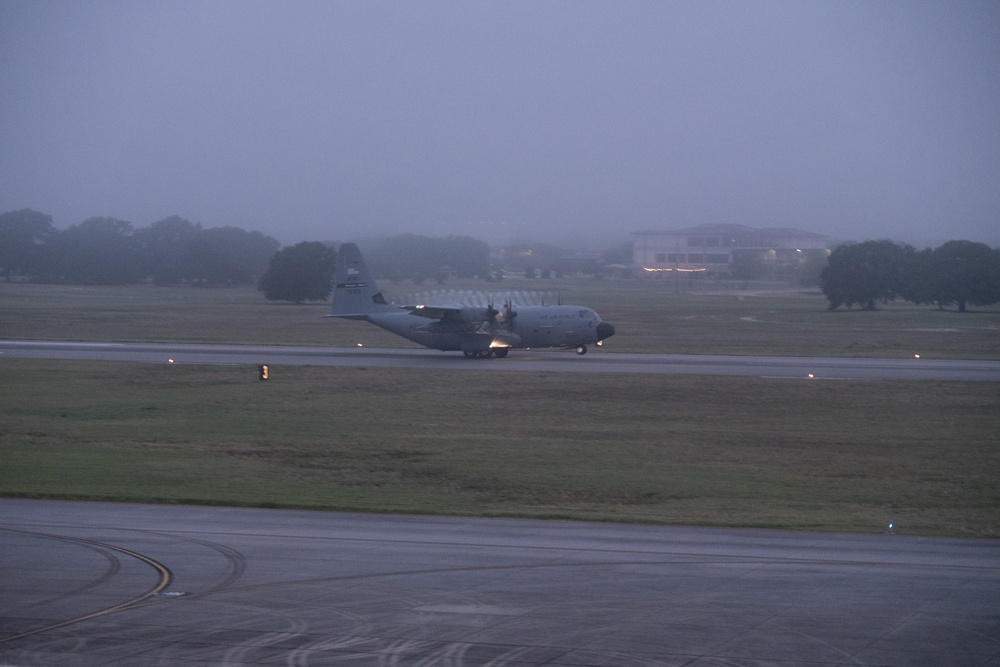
{"x": 265, "y": 372}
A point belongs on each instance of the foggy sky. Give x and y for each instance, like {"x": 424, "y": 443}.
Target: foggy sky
{"x": 568, "y": 122}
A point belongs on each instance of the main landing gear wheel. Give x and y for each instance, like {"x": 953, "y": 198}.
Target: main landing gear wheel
{"x": 480, "y": 354}
{"x": 582, "y": 349}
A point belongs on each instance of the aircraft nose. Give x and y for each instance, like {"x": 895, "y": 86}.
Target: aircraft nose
{"x": 605, "y": 330}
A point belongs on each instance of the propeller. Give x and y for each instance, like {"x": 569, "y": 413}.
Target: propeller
{"x": 509, "y": 313}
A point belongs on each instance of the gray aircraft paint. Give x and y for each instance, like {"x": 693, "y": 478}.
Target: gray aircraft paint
{"x": 486, "y": 330}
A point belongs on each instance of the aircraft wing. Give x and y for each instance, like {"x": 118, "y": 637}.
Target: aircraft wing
{"x": 434, "y": 312}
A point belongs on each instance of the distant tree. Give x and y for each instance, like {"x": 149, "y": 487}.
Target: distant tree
{"x": 466, "y": 256}
{"x": 167, "y": 247}
{"x": 98, "y": 251}
{"x": 401, "y": 257}
{"x": 864, "y": 273}
{"x": 963, "y": 272}
{"x": 812, "y": 265}
{"x": 419, "y": 258}
{"x": 298, "y": 273}
{"x": 524, "y": 255}
{"x": 23, "y": 235}
{"x": 919, "y": 280}
{"x": 230, "y": 256}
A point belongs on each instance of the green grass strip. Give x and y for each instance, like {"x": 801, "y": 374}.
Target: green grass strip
{"x": 815, "y": 455}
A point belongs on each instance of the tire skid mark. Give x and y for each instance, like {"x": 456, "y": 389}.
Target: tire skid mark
{"x": 760, "y": 561}
{"x": 240, "y": 653}
{"x": 237, "y": 561}
{"x": 662, "y": 556}
{"x": 637, "y": 553}
{"x": 300, "y": 656}
{"x": 165, "y": 577}
{"x": 114, "y": 566}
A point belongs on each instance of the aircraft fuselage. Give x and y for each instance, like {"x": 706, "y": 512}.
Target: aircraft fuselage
{"x": 532, "y": 326}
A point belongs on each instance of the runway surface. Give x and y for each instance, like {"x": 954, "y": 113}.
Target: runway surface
{"x": 103, "y": 584}
{"x": 829, "y": 368}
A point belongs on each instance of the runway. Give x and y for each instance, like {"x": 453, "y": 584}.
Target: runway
{"x": 114, "y": 585}
{"x": 818, "y": 368}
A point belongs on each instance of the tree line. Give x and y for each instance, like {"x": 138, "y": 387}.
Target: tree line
{"x": 956, "y": 273}
{"x": 175, "y": 251}
{"x": 303, "y": 272}
{"x": 108, "y": 251}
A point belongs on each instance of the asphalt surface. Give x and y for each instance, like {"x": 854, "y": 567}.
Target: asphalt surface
{"x": 113, "y": 585}
{"x": 106, "y": 584}
{"x": 596, "y": 361}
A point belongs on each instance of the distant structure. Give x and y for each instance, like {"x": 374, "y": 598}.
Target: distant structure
{"x": 724, "y": 251}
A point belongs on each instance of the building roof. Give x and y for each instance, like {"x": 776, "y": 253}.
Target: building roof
{"x": 722, "y": 229}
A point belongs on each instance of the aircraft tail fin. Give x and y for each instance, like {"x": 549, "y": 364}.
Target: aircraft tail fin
{"x": 355, "y": 293}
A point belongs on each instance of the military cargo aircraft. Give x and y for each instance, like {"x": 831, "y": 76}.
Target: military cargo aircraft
{"x": 478, "y": 331}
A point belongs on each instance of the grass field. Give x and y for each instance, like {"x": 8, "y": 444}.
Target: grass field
{"x": 648, "y": 317}
{"x": 845, "y": 456}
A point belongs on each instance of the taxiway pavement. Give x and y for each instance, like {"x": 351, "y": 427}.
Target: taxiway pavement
{"x": 95, "y": 584}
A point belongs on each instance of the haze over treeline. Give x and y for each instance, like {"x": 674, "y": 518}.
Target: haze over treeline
{"x": 567, "y": 122}
{"x": 175, "y": 251}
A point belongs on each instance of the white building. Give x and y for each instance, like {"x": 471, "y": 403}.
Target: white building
{"x": 712, "y": 250}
